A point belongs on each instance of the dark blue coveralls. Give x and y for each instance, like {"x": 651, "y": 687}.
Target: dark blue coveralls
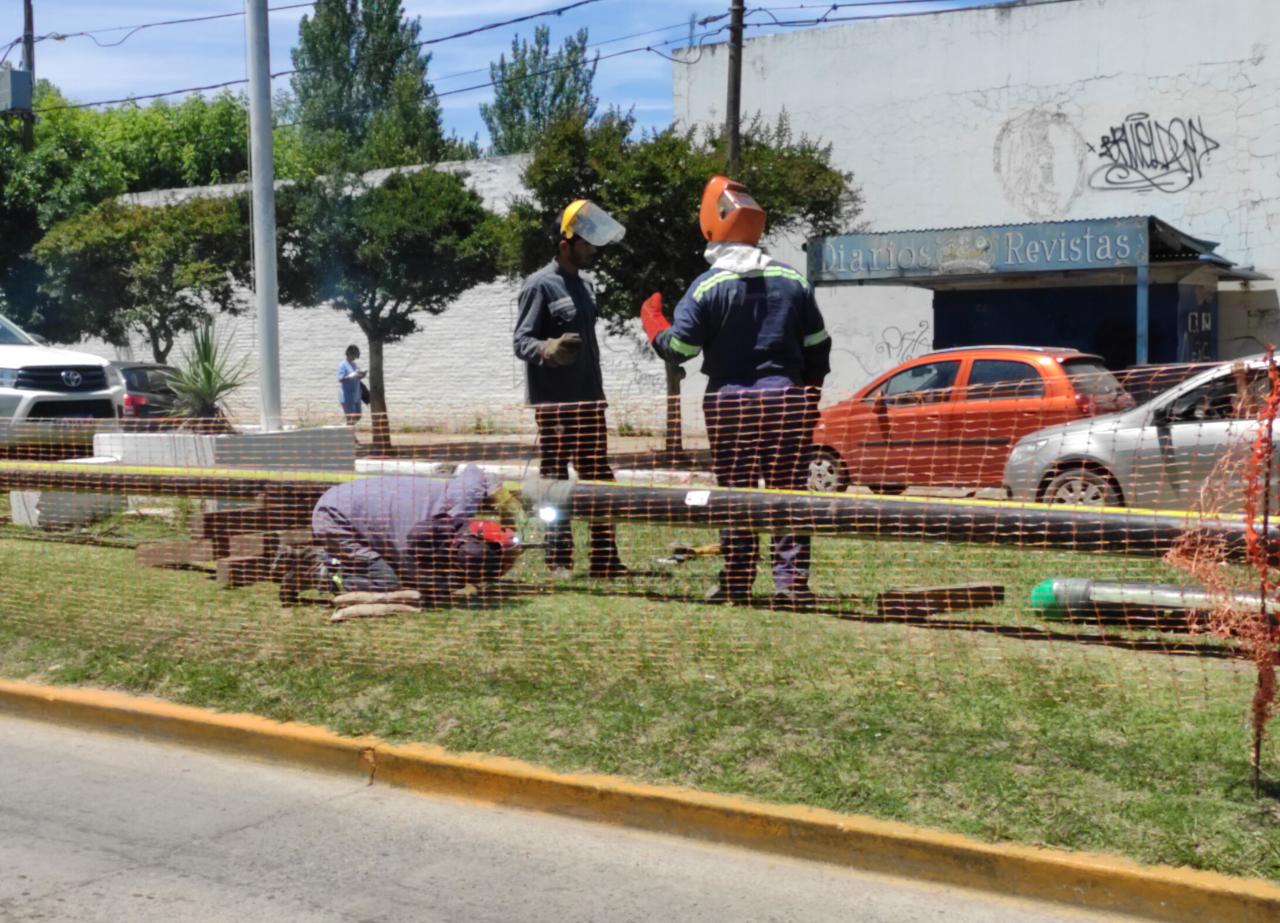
{"x": 397, "y": 532}
{"x": 568, "y": 401}
{"x": 763, "y": 340}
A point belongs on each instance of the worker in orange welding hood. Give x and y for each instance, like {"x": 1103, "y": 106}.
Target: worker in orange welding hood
{"x": 766, "y": 353}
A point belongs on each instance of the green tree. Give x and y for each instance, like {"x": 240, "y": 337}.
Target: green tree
{"x": 653, "y": 185}
{"x": 362, "y": 100}
{"x": 82, "y": 157}
{"x": 196, "y": 142}
{"x": 537, "y": 88}
{"x": 381, "y": 254}
{"x": 156, "y": 271}
{"x": 66, "y": 173}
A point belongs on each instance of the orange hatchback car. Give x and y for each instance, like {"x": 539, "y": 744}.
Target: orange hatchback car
{"x": 950, "y": 418}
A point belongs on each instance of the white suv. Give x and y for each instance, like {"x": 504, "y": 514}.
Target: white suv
{"x": 40, "y": 386}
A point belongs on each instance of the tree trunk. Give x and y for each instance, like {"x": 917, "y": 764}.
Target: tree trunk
{"x": 161, "y": 343}
{"x": 673, "y": 450}
{"x": 378, "y": 398}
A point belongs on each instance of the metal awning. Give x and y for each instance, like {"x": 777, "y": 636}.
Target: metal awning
{"x": 1130, "y": 250}
{"x": 944, "y": 256}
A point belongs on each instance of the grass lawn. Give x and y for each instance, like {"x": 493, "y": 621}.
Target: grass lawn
{"x": 1054, "y": 743}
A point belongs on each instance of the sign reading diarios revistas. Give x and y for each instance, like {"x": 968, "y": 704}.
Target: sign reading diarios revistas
{"x": 1051, "y": 247}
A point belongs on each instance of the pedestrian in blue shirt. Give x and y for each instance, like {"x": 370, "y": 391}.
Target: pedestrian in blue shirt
{"x": 766, "y": 353}
{"x": 350, "y": 385}
{"x": 555, "y": 335}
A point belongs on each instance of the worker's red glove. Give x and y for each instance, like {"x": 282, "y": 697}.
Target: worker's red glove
{"x": 652, "y": 318}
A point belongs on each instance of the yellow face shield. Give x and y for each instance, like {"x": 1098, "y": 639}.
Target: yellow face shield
{"x": 592, "y": 223}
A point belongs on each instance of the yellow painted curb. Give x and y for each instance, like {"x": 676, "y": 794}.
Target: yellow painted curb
{"x": 1083, "y": 880}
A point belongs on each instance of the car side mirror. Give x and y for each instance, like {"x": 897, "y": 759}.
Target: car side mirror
{"x": 1181, "y": 408}
{"x": 39, "y": 339}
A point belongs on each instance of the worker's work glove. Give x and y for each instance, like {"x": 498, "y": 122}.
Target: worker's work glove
{"x": 561, "y": 350}
{"x": 508, "y": 506}
{"x": 550, "y": 499}
{"x": 651, "y": 316}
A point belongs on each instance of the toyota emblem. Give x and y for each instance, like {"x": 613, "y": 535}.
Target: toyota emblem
{"x": 71, "y": 378}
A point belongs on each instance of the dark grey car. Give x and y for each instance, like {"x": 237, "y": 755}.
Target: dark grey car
{"x": 1187, "y": 448}
{"x": 149, "y": 401}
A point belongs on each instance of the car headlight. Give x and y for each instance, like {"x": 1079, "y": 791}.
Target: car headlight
{"x": 1025, "y": 449}
{"x": 115, "y": 378}
{"x": 8, "y": 378}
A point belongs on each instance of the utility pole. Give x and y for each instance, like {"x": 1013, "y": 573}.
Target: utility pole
{"x": 29, "y": 65}
{"x": 734, "y": 105}
{"x": 262, "y": 173}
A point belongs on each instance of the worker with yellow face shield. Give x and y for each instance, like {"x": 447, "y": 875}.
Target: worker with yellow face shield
{"x": 555, "y": 336}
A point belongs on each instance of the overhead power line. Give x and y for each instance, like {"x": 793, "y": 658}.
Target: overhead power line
{"x": 832, "y": 7}
{"x": 131, "y": 99}
{"x": 827, "y": 19}
{"x": 506, "y": 22}
{"x": 605, "y": 57}
{"x": 654, "y": 48}
{"x": 130, "y": 31}
{"x": 604, "y": 41}
{"x": 554, "y": 11}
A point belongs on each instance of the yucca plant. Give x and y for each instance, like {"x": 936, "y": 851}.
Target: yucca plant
{"x": 205, "y": 379}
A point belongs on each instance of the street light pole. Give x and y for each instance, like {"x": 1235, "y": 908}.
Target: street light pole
{"x": 262, "y": 173}
{"x": 29, "y": 65}
{"x": 734, "y": 104}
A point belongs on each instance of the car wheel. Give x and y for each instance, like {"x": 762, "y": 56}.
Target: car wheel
{"x": 1083, "y": 487}
{"x": 827, "y": 472}
{"x": 891, "y": 490}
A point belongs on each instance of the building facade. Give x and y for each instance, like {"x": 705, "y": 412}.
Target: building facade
{"x": 1039, "y": 112}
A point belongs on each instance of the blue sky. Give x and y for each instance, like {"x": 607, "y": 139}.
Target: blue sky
{"x": 171, "y": 57}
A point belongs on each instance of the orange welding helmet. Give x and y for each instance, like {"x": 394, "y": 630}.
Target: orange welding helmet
{"x": 729, "y": 214}
{"x": 485, "y": 550}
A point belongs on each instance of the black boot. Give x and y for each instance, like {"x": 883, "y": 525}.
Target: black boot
{"x": 796, "y": 599}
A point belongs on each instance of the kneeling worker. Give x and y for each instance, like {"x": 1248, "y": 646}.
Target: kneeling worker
{"x": 383, "y": 534}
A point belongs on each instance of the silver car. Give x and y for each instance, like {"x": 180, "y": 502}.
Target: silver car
{"x": 50, "y": 395}
{"x": 1187, "y": 448}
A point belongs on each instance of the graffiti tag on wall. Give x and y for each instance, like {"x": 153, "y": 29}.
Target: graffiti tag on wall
{"x": 1142, "y": 154}
{"x": 874, "y": 353}
{"x": 900, "y": 345}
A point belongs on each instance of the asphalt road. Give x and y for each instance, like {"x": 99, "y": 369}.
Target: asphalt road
{"x": 104, "y": 827}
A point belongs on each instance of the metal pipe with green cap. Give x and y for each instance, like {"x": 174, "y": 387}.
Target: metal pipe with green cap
{"x": 1065, "y": 597}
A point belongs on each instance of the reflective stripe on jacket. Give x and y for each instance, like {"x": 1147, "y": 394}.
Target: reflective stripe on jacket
{"x": 750, "y": 325}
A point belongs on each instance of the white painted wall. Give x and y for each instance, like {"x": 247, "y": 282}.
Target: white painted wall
{"x": 457, "y": 372}
{"x": 996, "y": 116}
